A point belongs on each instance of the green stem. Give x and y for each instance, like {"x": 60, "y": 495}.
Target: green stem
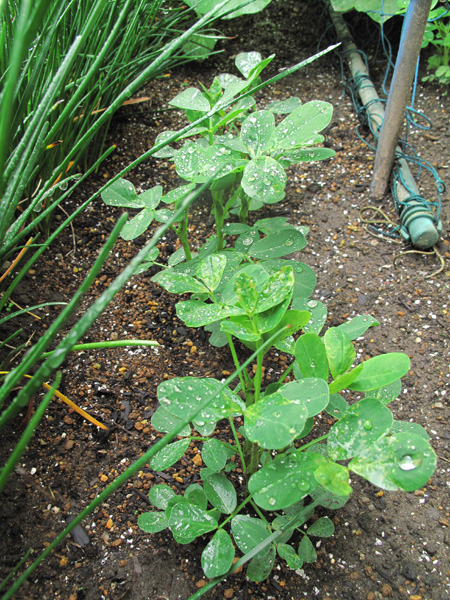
{"x": 316, "y": 441}
{"x": 260, "y": 514}
{"x": 255, "y": 455}
{"x": 235, "y": 360}
{"x": 286, "y": 373}
{"x": 238, "y": 444}
{"x": 258, "y": 374}
{"x": 183, "y": 236}
{"x": 236, "y": 511}
{"x": 218, "y": 217}
{"x": 111, "y": 344}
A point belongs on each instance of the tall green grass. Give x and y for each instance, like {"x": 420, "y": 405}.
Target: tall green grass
{"x": 65, "y": 67}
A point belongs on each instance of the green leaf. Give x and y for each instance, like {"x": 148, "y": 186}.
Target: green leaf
{"x": 188, "y": 522}
{"x": 218, "y": 555}
{"x": 149, "y": 261}
{"x": 301, "y": 126}
{"x": 323, "y": 527}
{"x": 191, "y": 99}
{"x": 241, "y": 328}
{"x": 211, "y": 269}
{"x": 307, "y": 155}
{"x": 357, "y": 326}
{"x": 334, "y": 478}
{"x": 387, "y": 393}
{"x": 153, "y": 522}
{"x": 178, "y": 194}
{"x": 257, "y": 130}
{"x": 284, "y": 107}
{"x": 313, "y": 392}
{"x": 248, "y": 532}
{"x": 407, "y": 427}
{"x": 305, "y": 278}
{"x": 122, "y": 193}
{"x": 259, "y": 568}
{"x": 215, "y": 454}
{"x": 220, "y": 492}
{"x": 173, "y": 502}
{"x": 306, "y": 550}
{"x": 196, "y": 313}
{"x": 286, "y": 480}
{"x": 337, "y": 406}
{"x": 273, "y": 225}
{"x": 327, "y": 499}
{"x": 277, "y": 245}
{"x": 403, "y": 461}
{"x": 274, "y": 422}
{"x": 246, "y": 292}
{"x": 288, "y": 554}
{"x": 311, "y": 356}
{"x": 380, "y": 371}
{"x": 246, "y": 61}
{"x": 195, "y": 495}
{"x": 318, "y": 313}
{"x": 343, "y": 382}
{"x": 362, "y": 424}
{"x": 169, "y": 455}
{"x": 276, "y": 289}
{"x": 163, "y": 420}
{"x": 137, "y": 225}
{"x": 340, "y": 351}
{"x": 160, "y": 494}
{"x": 264, "y": 178}
{"x": 295, "y": 319}
{"x": 179, "y": 283}
{"x": 181, "y": 396}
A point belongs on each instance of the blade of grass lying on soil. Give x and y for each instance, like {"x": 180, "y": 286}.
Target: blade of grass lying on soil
{"x": 135, "y": 467}
{"x": 28, "y": 433}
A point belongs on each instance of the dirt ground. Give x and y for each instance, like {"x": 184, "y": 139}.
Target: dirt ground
{"x": 386, "y": 545}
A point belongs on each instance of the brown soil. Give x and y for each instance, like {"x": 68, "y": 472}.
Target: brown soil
{"x": 386, "y": 544}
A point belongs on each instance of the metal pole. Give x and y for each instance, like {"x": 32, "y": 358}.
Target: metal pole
{"x": 411, "y": 40}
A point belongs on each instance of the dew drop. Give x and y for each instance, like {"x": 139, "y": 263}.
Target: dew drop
{"x": 272, "y": 501}
{"x": 368, "y": 425}
{"x": 312, "y": 303}
{"x": 407, "y": 463}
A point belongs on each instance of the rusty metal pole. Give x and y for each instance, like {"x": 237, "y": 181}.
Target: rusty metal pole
{"x": 399, "y": 94}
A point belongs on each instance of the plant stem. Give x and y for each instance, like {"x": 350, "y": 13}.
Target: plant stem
{"x": 238, "y": 444}
{"x": 218, "y": 217}
{"x": 258, "y": 374}
{"x": 236, "y": 511}
{"x": 286, "y": 373}
{"x": 235, "y": 360}
{"x": 316, "y": 441}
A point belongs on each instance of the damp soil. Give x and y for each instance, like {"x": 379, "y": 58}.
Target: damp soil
{"x": 386, "y": 545}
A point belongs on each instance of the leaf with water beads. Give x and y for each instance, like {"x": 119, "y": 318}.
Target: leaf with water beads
{"x": 380, "y": 371}
{"x": 275, "y": 422}
{"x": 337, "y": 406}
{"x": 344, "y": 381}
{"x": 340, "y": 351}
{"x": 357, "y": 326}
{"x": 301, "y": 126}
{"x": 257, "y": 131}
{"x": 276, "y": 289}
{"x": 313, "y": 392}
{"x": 215, "y": 454}
{"x": 323, "y": 527}
{"x": 160, "y": 494}
{"x": 328, "y": 499}
{"x": 288, "y": 554}
{"x": 306, "y": 155}
{"x": 304, "y": 276}
{"x": 218, "y": 555}
{"x": 318, "y": 312}
{"x": 220, "y": 492}
{"x": 248, "y": 532}
{"x": 284, "y": 107}
{"x": 195, "y": 495}
{"x": 387, "y": 393}
{"x": 242, "y": 329}
{"x": 286, "y": 480}
{"x": 191, "y": 99}
{"x": 403, "y": 461}
{"x": 122, "y": 193}
{"x": 408, "y": 427}
{"x": 334, "y": 478}
{"x": 162, "y": 420}
{"x": 294, "y": 319}
{"x": 196, "y": 313}
{"x": 177, "y": 283}
{"x": 277, "y": 245}
{"x": 246, "y": 61}
{"x": 188, "y": 522}
{"x": 246, "y": 291}
{"x": 153, "y": 522}
{"x": 182, "y": 395}
{"x": 169, "y": 455}
{"x": 264, "y": 178}
{"x": 260, "y": 567}
{"x": 311, "y": 356}
{"x": 210, "y": 270}
{"x": 362, "y": 424}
